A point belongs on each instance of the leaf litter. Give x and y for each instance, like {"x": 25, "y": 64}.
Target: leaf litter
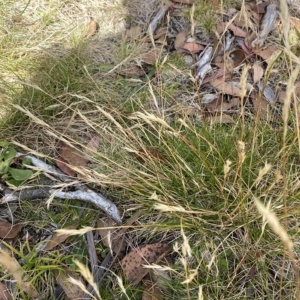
{"x": 244, "y": 47}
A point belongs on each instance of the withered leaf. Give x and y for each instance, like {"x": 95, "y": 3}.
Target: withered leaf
{"x": 219, "y": 105}
{"x": 92, "y": 27}
{"x": 92, "y": 145}
{"x": 58, "y": 239}
{"x": 221, "y": 119}
{"x": 222, "y": 26}
{"x": 4, "y": 293}
{"x": 132, "y": 71}
{"x": 181, "y": 37}
{"x": 62, "y": 164}
{"x": 151, "y": 291}
{"x": 110, "y": 237}
{"x": 229, "y": 88}
{"x": 133, "y": 33}
{"x": 72, "y": 291}
{"x": 152, "y": 153}
{"x": 133, "y": 262}
{"x": 193, "y": 47}
{"x": 258, "y": 72}
{"x": 184, "y": 1}
{"x": 151, "y": 56}
{"x": 9, "y": 231}
{"x": 267, "y": 52}
{"x": 71, "y": 155}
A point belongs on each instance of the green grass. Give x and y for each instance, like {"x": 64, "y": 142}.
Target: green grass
{"x": 199, "y": 197}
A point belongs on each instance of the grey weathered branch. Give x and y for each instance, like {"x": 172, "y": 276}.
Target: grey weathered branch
{"x": 83, "y": 193}
{"x": 267, "y": 25}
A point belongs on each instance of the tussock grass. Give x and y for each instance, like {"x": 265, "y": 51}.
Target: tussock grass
{"x": 200, "y": 195}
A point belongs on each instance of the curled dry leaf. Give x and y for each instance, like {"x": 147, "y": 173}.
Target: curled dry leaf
{"x": 72, "y": 291}
{"x": 258, "y": 72}
{"x": 63, "y": 165}
{"x": 4, "y": 293}
{"x": 229, "y": 88}
{"x": 181, "y": 38}
{"x": 133, "y": 262}
{"x": 262, "y": 108}
{"x": 133, "y": 33}
{"x": 92, "y": 146}
{"x": 221, "y": 119}
{"x": 151, "y": 291}
{"x": 223, "y": 26}
{"x": 111, "y": 238}
{"x": 92, "y": 27}
{"x": 11, "y": 265}
{"x": 9, "y": 231}
{"x": 267, "y": 52}
{"x": 184, "y": 1}
{"x": 132, "y": 71}
{"x": 151, "y": 56}
{"x": 57, "y": 239}
{"x": 150, "y": 153}
{"x": 71, "y": 155}
{"x": 193, "y": 47}
{"x": 219, "y": 105}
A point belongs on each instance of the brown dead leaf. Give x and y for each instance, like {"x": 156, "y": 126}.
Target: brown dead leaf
{"x": 193, "y": 47}
{"x": 262, "y": 108}
{"x": 71, "y": 155}
{"x": 258, "y": 72}
{"x": 219, "y": 105}
{"x": 4, "y": 292}
{"x": 133, "y": 33}
{"x": 220, "y": 73}
{"x": 259, "y": 8}
{"x": 221, "y": 119}
{"x": 132, "y": 71}
{"x": 181, "y": 38}
{"x": 223, "y": 26}
{"x": 249, "y": 39}
{"x": 62, "y": 164}
{"x": 161, "y": 32}
{"x": 11, "y": 265}
{"x": 72, "y": 291}
{"x": 111, "y": 238}
{"x": 133, "y": 262}
{"x": 184, "y": 1}
{"x": 151, "y": 56}
{"x": 240, "y": 20}
{"x": 237, "y": 56}
{"x": 265, "y": 53}
{"x": 229, "y": 88}
{"x": 151, "y": 291}
{"x": 92, "y": 28}
{"x": 57, "y": 239}
{"x": 9, "y": 231}
{"x": 92, "y": 146}
{"x": 152, "y": 153}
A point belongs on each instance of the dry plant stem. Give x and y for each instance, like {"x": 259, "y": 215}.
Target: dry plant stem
{"x": 84, "y": 193}
{"x": 93, "y": 260}
{"x": 267, "y": 25}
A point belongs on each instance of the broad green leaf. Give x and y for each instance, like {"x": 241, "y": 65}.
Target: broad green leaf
{"x": 4, "y": 144}
{"x": 9, "y": 153}
{"x": 26, "y": 161}
{"x": 20, "y": 175}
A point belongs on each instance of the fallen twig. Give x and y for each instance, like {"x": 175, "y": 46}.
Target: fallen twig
{"x": 159, "y": 16}
{"x": 267, "y": 25}
{"x": 83, "y": 193}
